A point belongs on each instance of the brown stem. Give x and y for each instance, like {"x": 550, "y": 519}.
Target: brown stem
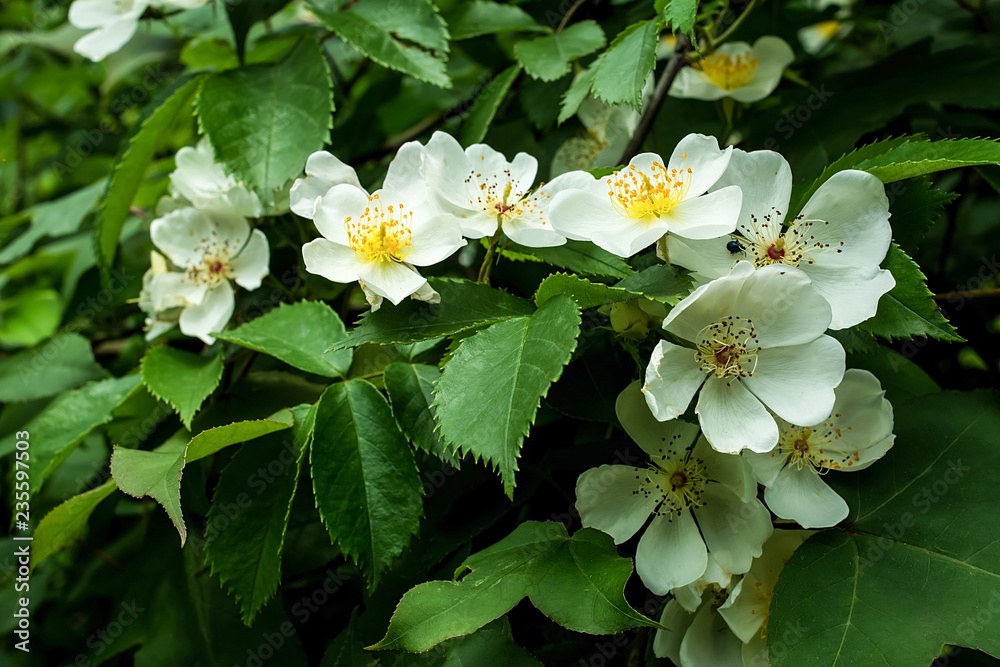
{"x": 491, "y": 251}
{"x": 677, "y": 61}
{"x": 569, "y": 13}
{"x": 968, "y": 294}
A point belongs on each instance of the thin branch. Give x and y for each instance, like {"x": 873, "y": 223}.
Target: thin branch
{"x": 677, "y": 61}
{"x": 968, "y": 294}
{"x": 736, "y": 24}
{"x": 569, "y": 13}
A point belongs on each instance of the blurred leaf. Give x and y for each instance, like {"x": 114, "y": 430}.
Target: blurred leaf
{"x": 576, "y": 581}
{"x": 29, "y": 317}
{"x": 265, "y": 120}
{"x": 182, "y": 379}
{"x": 364, "y": 477}
{"x": 548, "y": 58}
{"x": 62, "y": 363}
{"x": 54, "y": 219}
{"x": 490, "y": 389}
{"x": 577, "y": 93}
{"x": 479, "y": 17}
{"x": 299, "y": 334}
{"x": 620, "y": 73}
{"x": 681, "y": 15}
{"x": 908, "y": 309}
{"x": 917, "y": 541}
{"x": 67, "y": 523}
{"x": 464, "y": 305}
{"x": 130, "y": 170}
{"x": 486, "y": 105}
{"x": 373, "y": 28}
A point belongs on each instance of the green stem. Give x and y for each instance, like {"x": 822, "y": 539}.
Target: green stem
{"x": 736, "y": 24}
{"x": 491, "y": 251}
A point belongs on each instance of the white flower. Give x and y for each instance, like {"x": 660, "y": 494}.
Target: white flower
{"x": 115, "y": 21}
{"x": 702, "y": 502}
{"x": 758, "y": 341}
{"x": 209, "y": 248}
{"x": 839, "y": 239}
{"x": 203, "y": 183}
{"x": 485, "y": 191}
{"x": 736, "y": 70}
{"x": 377, "y": 239}
{"x": 815, "y": 37}
{"x": 630, "y": 209}
{"x": 856, "y": 434}
{"x": 715, "y": 624}
{"x": 323, "y": 171}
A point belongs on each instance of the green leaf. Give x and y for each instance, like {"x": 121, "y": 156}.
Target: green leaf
{"x": 908, "y": 309}
{"x": 54, "y": 219}
{"x": 157, "y": 473}
{"x": 915, "y": 205}
{"x": 548, "y": 58}
{"x": 300, "y": 335}
{"x": 67, "y": 522}
{"x": 62, "y": 363}
{"x": 181, "y": 379}
{"x": 410, "y": 389}
{"x": 29, "y": 317}
{"x": 242, "y": 16}
{"x": 265, "y": 120}
{"x": 492, "y": 645}
{"x": 621, "y": 72}
{"x": 464, "y": 305}
{"x": 916, "y": 158}
{"x": 919, "y": 564}
{"x": 659, "y": 282}
{"x": 575, "y": 95}
{"x": 485, "y": 107}
{"x": 490, "y": 389}
{"x": 579, "y": 257}
{"x": 373, "y": 29}
{"x": 471, "y": 19}
{"x": 130, "y": 169}
{"x": 365, "y": 479}
{"x": 579, "y": 582}
{"x": 56, "y": 431}
{"x": 681, "y": 15}
{"x": 585, "y": 293}
{"x": 250, "y": 508}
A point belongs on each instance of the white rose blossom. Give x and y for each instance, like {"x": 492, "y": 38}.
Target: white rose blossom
{"x": 720, "y": 623}
{"x": 630, "y": 209}
{"x": 756, "y": 339}
{"x": 209, "y": 248}
{"x": 202, "y": 182}
{"x": 857, "y": 433}
{"x": 839, "y": 239}
{"x": 737, "y": 70}
{"x": 485, "y": 192}
{"x": 702, "y": 502}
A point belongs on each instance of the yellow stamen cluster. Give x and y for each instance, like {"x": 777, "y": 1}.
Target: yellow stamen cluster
{"x": 673, "y": 481}
{"x": 728, "y": 348}
{"x": 815, "y": 447}
{"x": 728, "y": 72}
{"x": 382, "y": 233}
{"x": 216, "y": 264}
{"x": 635, "y": 194}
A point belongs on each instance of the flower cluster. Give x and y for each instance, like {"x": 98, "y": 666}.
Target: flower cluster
{"x": 203, "y": 231}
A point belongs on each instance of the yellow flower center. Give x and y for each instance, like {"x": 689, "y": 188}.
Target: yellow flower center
{"x": 673, "y": 482}
{"x": 728, "y": 348}
{"x": 635, "y": 194}
{"x": 382, "y": 233}
{"x": 216, "y": 263}
{"x": 810, "y": 447}
{"x": 728, "y": 72}
{"x": 827, "y": 29}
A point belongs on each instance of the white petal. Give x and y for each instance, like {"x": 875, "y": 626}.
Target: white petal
{"x": 668, "y": 644}
{"x": 755, "y": 653}
{"x": 710, "y": 643}
{"x": 323, "y": 171}
{"x": 179, "y": 233}
{"x": 607, "y": 499}
{"x": 691, "y": 84}
{"x": 746, "y": 608}
{"x": 174, "y": 290}
{"x": 252, "y": 264}
{"x": 701, "y": 154}
{"x": 766, "y": 465}
{"x": 532, "y": 233}
{"x": 733, "y": 419}
{"x": 671, "y": 553}
{"x": 672, "y": 379}
{"x": 333, "y": 261}
{"x": 863, "y": 419}
{"x": 578, "y": 214}
{"x": 734, "y": 531}
{"x": 797, "y": 381}
{"x": 803, "y": 496}
{"x": 391, "y": 280}
{"x": 853, "y": 293}
{"x": 426, "y": 293}
{"x": 96, "y": 13}
{"x": 783, "y": 306}
{"x": 689, "y": 597}
{"x": 404, "y": 173}
{"x": 733, "y": 472}
{"x": 640, "y": 424}
{"x": 446, "y": 168}
{"x": 708, "y": 304}
{"x": 434, "y": 240}
{"x": 337, "y": 205}
{"x": 627, "y": 236}
{"x": 211, "y": 315}
{"x": 708, "y": 259}
{"x": 706, "y": 217}
{"x": 857, "y": 210}
{"x": 229, "y": 228}
{"x": 773, "y": 55}
{"x": 107, "y": 39}
{"x": 766, "y": 181}
{"x": 522, "y": 173}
